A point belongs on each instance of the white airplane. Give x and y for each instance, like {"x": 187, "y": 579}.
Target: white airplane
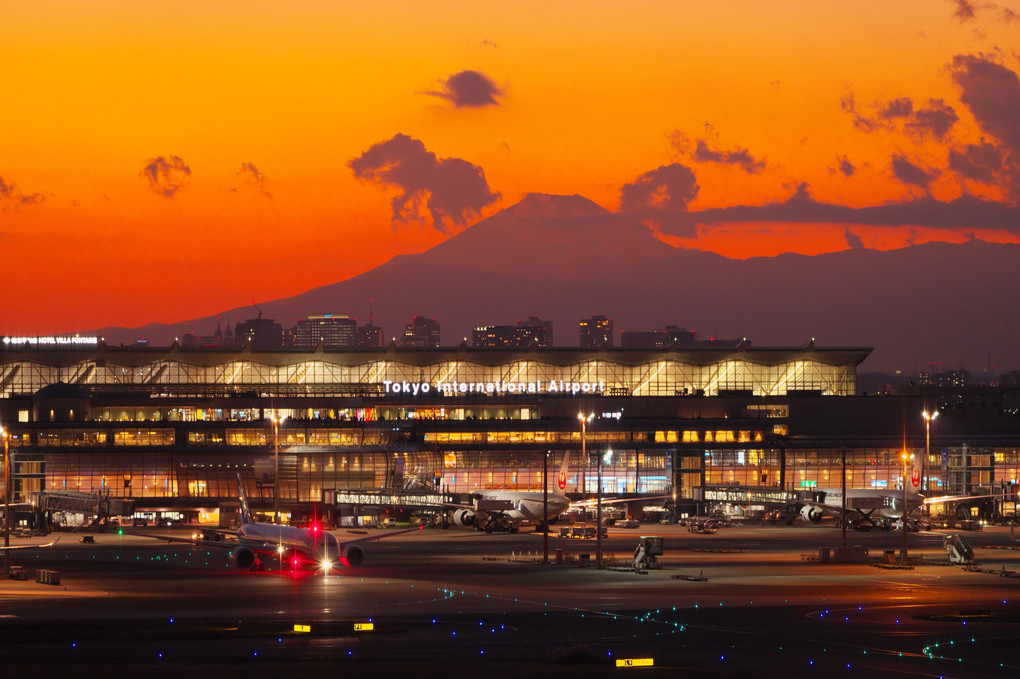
{"x": 297, "y": 548}
{"x": 13, "y": 547}
{"x": 506, "y": 509}
{"x": 867, "y": 505}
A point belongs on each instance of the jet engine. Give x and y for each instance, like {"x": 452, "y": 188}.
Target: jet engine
{"x": 810, "y": 513}
{"x": 351, "y": 555}
{"x": 464, "y": 517}
{"x": 243, "y": 558}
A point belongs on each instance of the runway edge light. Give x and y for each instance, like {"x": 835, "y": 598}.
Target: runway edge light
{"x": 634, "y": 662}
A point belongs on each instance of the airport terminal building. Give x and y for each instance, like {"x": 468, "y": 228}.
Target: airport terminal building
{"x": 171, "y": 428}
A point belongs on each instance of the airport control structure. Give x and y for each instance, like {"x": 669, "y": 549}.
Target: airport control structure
{"x": 313, "y": 430}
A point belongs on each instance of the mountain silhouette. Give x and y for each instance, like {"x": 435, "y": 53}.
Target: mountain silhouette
{"x": 564, "y": 258}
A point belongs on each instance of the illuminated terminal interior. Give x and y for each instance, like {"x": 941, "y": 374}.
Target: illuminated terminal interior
{"x": 172, "y": 428}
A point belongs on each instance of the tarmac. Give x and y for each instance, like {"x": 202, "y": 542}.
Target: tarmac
{"x": 749, "y": 601}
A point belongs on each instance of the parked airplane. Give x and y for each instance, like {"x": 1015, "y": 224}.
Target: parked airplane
{"x": 864, "y": 505}
{"x": 297, "y": 548}
{"x": 506, "y": 509}
{"x": 13, "y": 547}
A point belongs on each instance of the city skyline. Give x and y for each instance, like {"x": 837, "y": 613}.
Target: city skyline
{"x": 168, "y": 163}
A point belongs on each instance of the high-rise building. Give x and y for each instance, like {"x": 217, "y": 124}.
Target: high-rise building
{"x": 333, "y": 330}
{"x": 369, "y": 337}
{"x": 263, "y": 333}
{"x": 421, "y": 333}
{"x": 596, "y": 332}
{"x": 534, "y": 332}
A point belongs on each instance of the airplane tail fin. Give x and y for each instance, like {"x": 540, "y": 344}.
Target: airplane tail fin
{"x": 246, "y": 516}
{"x": 916, "y": 473}
{"x": 561, "y": 478}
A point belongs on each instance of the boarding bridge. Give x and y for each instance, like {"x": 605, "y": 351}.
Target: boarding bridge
{"x": 389, "y": 498}
{"x": 769, "y": 496}
{"x": 100, "y": 505}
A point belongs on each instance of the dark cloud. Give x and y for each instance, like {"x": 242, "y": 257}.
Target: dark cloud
{"x": 862, "y": 123}
{"x": 935, "y": 119}
{"x": 469, "y": 88}
{"x": 844, "y": 166}
{"x": 911, "y": 173}
{"x": 992, "y": 93}
{"x": 964, "y": 213}
{"x": 982, "y": 162}
{"x": 708, "y": 150}
{"x": 853, "y": 240}
{"x": 451, "y": 189}
{"x": 964, "y": 10}
{"x": 897, "y": 108}
{"x": 9, "y": 193}
{"x": 252, "y": 176}
{"x": 669, "y": 187}
{"x": 166, "y": 176}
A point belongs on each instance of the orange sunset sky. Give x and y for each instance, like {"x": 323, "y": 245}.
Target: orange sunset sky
{"x": 163, "y": 161}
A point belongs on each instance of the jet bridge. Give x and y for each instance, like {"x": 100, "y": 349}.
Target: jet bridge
{"x": 99, "y": 505}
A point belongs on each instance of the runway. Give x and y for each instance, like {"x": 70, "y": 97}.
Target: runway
{"x": 450, "y": 602}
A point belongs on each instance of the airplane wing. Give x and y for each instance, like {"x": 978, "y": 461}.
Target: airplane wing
{"x": 380, "y": 536}
{"x": 615, "y": 501}
{"x": 48, "y": 544}
{"x": 229, "y": 540}
{"x": 226, "y": 540}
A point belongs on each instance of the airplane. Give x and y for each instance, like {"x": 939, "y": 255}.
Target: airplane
{"x": 13, "y": 547}
{"x": 299, "y": 548}
{"x": 867, "y": 505}
{"x": 506, "y": 509}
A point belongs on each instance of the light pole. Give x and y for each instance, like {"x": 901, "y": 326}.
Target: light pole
{"x": 907, "y": 457}
{"x": 584, "y": 419}
{"x": 928, "y": 417}
{"x": 7, "y": 503}
{"x": 598, "y": 517}
{"x": 276, "y": 469}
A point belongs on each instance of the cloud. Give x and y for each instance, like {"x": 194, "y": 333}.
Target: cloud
{"x": 451, "y": 189}
{"x": 707, "y": 150}
{"x": 911, "y": 173}
{"x": 862, "y": 123}
{"x": 966, "y": 212}
{"x": 9, "y": 193}
{"x": 964, "y": 10}
{"x": 853, "y": 240}
{"x": 468, "y": 88}
{"x": 669, "y": 187}
{"x": 935, "y": 119}
{"x": 992, "y": 93}
{"x": 166, "y": 176}
{"x": 844, "y": 166}
{"x": 982, "y": 162}
{"x": 252, "y": 176}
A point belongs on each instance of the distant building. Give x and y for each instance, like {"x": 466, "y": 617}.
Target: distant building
{"x": 673, "y": 335}
{"x": 596, "y": 332}
{"x": 263, "y": 333}
{"x": 421, "y": 333}
{"x": 335, "y": 331}
{"x": 369, "y": 337}
{"x": 943, "y": 379}
{"x": 533, "y": 332}
{"x": 218, "y": 339}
